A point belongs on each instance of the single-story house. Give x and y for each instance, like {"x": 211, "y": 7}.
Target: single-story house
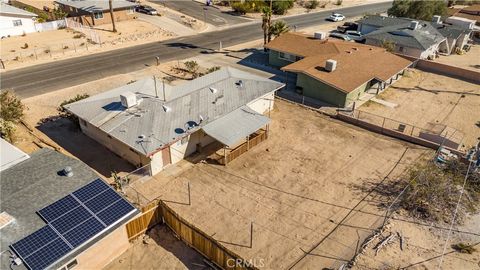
{"x": 55, "y": 213}
{"x": 15, "y": 21}
{"x": 334, "y": 71}
{"x": 470, "y": 12}
{"x": 96, "y": 12}
{"x": 416, "y": 38}
{"x": 151, "y": 123}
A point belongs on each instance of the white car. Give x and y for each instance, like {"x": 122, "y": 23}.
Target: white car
{"x": 336, "y": 17}
{"x": 355, "y": 35}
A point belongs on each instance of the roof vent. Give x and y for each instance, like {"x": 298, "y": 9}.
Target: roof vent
{"x": 213, "y": 90}
{"x": 320, "y": 35}
{"x": 141, "y": 136}
{"x": 239, "y": 83}
{"x": 166, "y": 108}
{"x": 128, "y": 99}
{"x": 436, "y": 19}
{"x": 67, "y": 171}
{"x": 413, "y": 25}
{"x": 331, "y": 65}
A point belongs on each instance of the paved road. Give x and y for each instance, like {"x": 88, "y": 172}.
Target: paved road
{"x": 201, "y": 12}
{"x": 39, "y": 79}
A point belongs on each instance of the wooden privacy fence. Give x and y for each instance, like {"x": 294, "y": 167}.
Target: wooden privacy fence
{"x": 253, "y": 140}
{"x": 158, "y": 212}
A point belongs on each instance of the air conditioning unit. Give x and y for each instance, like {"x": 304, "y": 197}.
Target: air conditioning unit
{"x": 436, "y": 19}
{"x": 330, "y": 65}
{"x": 320, "y": 35}
{"x": 128, "y": 99}
{"x": 414, "y": 25}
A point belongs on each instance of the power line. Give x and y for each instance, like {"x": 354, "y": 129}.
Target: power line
{"x": 455, "y": 214}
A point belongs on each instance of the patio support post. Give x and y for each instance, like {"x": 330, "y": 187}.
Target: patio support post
{"x": 225, "y": 154}
{"x": 248, "y": 142}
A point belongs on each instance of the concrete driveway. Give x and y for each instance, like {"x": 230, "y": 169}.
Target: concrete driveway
{"x": 168, "y": 24}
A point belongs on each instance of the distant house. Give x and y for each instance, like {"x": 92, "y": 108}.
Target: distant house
{"x": 56, "y": 214}
{"x": 471, "y": 13}
{"x": 420, "y": 39}
{"x": 333, "y": 71}
{"x": 150, "y": 123}
{"x": 96, "y": 12}
{"x": 15, "y": 21}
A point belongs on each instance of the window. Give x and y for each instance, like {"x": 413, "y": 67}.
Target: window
{"x": 98, "y": 15}
{"x": 287, "y": 57}
{"x": 17, "y": 22}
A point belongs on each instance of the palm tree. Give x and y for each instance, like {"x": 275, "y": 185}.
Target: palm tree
{"x": 278, "y": 28}
{"x": 111, "y": 15}
{"x": 266, "y": 24}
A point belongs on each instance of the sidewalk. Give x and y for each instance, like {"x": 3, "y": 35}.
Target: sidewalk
{"x": 168, "y": 24}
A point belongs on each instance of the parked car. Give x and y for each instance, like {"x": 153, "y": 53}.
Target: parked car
{"x": 339, "y": 35}
{"x": 146, "y": 9}
{"x": 347, "y": 26}
{"x": 355, "y": 35}
{"x": 336, "y": 17}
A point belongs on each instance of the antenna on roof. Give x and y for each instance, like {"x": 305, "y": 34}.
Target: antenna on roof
{"x": 155, "y": 84}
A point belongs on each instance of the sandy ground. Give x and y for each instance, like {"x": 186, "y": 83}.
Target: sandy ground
{"x": 158, "y": 249}
{"x": 469, "y": 60}
{"x": 424, "y": 98}
{"x": 39, "y": 3}
{"x": 59, "y": 44}
{"x": 295, "y": 187}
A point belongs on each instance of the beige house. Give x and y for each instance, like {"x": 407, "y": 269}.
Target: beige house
{"x": 57, "y": 214}
{"x": 151, "y": 123}
{"x": 96, "y": 12}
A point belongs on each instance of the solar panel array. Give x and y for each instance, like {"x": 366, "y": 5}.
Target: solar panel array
{"x": 72, "y": 221}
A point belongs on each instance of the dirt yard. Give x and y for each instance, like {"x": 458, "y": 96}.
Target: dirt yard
{"x": 296, "y": 188}
{"x": 156, "y": 250}
{"x": 424, "y": 98}
{"x": 469, "y": 60}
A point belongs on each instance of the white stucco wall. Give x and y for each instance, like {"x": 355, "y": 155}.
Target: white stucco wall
{"x": 263, "y": 104}
{"x": 8, "y": 29}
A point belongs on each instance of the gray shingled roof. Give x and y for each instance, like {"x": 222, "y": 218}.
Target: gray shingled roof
{"x": 236, "y": 126}
{"x": 397, "y": 30}
{"x": 187, "y": 103}
{"x": 7, "y": 9}
{"x": 96, "y": 5}
{"x": 31, "y": 185}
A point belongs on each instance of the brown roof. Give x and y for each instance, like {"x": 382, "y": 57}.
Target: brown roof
{"x": 471, "y": 12}
{"x": 356, "y": 63}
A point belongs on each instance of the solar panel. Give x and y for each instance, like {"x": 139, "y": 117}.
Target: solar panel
{"x": 83, "y": 232}
{"x": 47, "y": 255}
{"x": 113, "y": 213}
{"x": 34, "y": 241}
{"x": 103, "y": 200}
{"x": 71, "y": 219}
{"x": 91, "y": 190}
{"x": 58, "y": 208}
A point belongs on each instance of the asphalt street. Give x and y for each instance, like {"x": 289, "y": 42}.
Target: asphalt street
{"x": 43, "y": 78}
{"x": 199, "y": 11}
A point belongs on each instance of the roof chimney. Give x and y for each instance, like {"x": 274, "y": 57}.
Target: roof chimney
{"x": 436, "y": 19}
{"x": 320, "y": 35}
{"x": 413, "y": 25}
{"x": 330, "y": 65}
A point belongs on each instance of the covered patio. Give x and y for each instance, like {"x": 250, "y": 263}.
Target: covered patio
{"x": 238, "y": 132}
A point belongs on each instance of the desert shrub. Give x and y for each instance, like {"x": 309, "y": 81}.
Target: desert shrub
{"x": 46, "y": 51}
{"x": 11, "y": 113}
{"x": 311, "y": 4}
{"x": 388, "y": 45}
{"x": 212, "y": 69}
{"x": 65, "y": 47}
{"x": 247, "y": 6}
{"x": 78, "y": 35}
{"x": 464, "y": 248}
{"x": 25, "y": 46}
{"x": 65, "y": 113}
{"x": 192, "y": 67}
{"x": 281, "y": 7}
{"x": 338, "y": 2}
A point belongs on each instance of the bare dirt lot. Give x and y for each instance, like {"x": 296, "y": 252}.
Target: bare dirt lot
{"x": 424, "y": 98}
{"x": 296, "y": 188}
{"x": 158, "y": 249}
{"x": 469, "y": 60}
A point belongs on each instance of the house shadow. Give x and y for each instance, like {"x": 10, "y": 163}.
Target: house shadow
{"x": 165, "y": 239}
{"x": 67, "y": 134}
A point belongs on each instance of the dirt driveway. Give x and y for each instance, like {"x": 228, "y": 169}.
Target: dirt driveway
{"x": 424, "y": 98}
{"x": 296, "y": 188}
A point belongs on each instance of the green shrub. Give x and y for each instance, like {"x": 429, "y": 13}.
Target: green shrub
{"x": 11, "y": 113}
{"x": 312, "y": 4}
{"x": 338, "y": 2}
{"x": 281, "y": 7}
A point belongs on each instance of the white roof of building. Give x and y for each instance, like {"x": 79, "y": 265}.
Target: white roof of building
{"x": 236, "y": 126}
{"x": 10, "y": 155}
{"x": 156, "y": 122}
{"x": 11, "y": 10}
